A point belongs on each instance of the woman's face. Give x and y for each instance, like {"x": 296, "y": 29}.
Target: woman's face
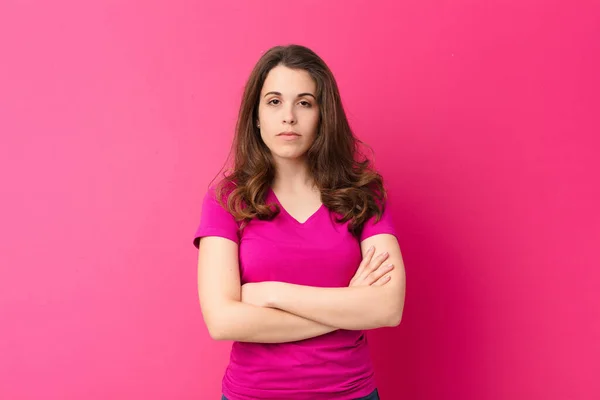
{"x": 288, "y": 113}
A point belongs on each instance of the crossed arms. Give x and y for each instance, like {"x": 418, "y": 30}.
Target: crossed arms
{"x": 277, "y": 312}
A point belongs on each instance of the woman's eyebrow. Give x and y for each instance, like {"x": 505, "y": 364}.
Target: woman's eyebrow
{"x": 299, "y": 95}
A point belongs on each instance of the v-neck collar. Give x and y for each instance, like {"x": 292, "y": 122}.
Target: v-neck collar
{"x": 290, "y": 216}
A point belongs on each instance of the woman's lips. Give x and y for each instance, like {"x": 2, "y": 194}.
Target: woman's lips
{"x": 288, "y": 135}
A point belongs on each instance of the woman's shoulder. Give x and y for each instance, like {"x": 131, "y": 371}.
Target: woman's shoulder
{"x": 215, "y": 218}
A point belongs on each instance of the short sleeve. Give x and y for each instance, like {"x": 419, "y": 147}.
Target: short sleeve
{"x": 384, "y": 225}
{"x": 215, "y": 220}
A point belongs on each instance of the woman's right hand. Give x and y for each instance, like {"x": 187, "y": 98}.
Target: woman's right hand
{"x": 372, "y": 271}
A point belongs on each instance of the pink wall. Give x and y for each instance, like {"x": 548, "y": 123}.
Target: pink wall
{"x": 484, "y": 119}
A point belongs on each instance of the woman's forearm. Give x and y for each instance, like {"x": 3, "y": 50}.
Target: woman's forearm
{"x": 247, "y": 323}
{"x": 362, "y": 307}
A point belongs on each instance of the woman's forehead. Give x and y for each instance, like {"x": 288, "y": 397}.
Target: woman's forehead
{"x": 288, "y": 82}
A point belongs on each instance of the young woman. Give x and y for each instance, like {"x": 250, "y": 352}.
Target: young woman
{"x": 287, "y": 266}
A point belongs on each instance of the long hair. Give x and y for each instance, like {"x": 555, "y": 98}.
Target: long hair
{"x": 348, "y": 184}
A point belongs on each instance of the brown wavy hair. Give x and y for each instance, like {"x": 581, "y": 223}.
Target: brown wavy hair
{"x": 349, "y": 185}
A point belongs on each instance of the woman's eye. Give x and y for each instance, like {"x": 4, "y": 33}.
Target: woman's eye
{"x": 303, "y": 102}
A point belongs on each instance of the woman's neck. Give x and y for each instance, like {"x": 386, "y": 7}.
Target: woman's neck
{"x": 292, "y": 175}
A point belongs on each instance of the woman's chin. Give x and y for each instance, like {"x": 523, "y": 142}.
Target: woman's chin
{"x": 289, "y": 155}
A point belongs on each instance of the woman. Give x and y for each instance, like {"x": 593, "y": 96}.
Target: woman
{"x": 287, "y": 266}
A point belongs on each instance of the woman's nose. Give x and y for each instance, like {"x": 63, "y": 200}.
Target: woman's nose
{"x": 289, "y": 117}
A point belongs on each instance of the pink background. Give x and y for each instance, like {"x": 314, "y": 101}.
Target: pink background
{"x": 483, "y": 115}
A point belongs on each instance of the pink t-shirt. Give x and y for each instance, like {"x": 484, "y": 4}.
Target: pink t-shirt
{"x": 319, "y": 252}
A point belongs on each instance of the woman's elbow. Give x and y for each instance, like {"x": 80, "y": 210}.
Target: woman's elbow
{"x": 393, "y": 316}
{"x": 218, "y": 317}
{"x": 215, "y": 330}
{"x": 217, "y": 326}
{"x": 216, "y": 333}
{"x": 394, "y": 319}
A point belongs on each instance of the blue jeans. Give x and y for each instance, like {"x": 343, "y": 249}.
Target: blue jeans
{"x": 373, "y": 396}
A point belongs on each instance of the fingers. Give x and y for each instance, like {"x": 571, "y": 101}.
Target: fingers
{"x": 372, "y": 266}
{"x": 378, "y": 273}
{"x": 376, "y": 263}
{"x": 383, "y": 280}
